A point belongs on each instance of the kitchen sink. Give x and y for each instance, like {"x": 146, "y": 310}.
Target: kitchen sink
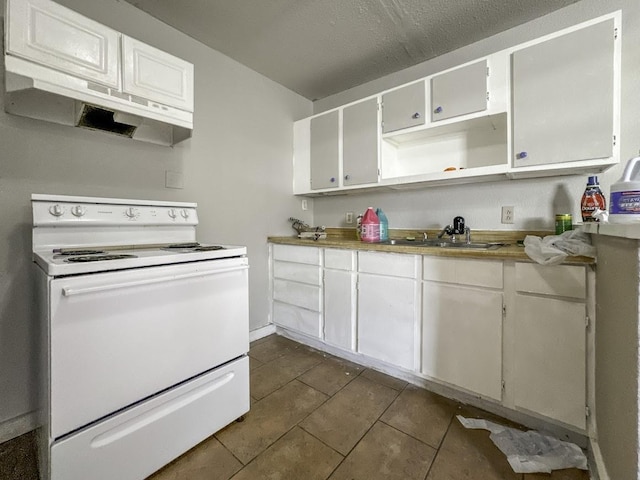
{"x": 438, "y": 243}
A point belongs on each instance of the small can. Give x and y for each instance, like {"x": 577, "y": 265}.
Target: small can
{"x": 563, "y": 223}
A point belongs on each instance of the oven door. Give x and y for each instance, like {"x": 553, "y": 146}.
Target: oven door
{"x": 119, "y": 337}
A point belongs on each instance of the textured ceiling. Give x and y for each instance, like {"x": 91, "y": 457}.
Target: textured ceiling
{"x": 321, "y": 47}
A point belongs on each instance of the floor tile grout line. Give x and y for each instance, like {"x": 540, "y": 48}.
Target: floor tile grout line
{"x": 440, "y": 446}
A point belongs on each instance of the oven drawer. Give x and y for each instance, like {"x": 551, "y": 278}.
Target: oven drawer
{"x": 138, "y": 441}
{"x": 119, "y": 337}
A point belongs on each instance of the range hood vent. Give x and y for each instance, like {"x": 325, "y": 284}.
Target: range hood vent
{"x": 35, "y": 91}
{"x": 96, "y": 118}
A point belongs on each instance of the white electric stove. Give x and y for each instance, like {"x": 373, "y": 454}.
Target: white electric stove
{"x": 145, "y": 334}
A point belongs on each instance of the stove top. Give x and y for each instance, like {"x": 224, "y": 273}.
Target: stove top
{"x": 78, "y": 235}
{"x": 69, "y": 261}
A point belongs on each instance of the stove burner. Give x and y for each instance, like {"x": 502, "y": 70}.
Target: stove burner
{"x": 191, "y": 247}
{"x": 208, "y": 247}
{"x": 78, "y": 252}
{"x": 97, "y": 258}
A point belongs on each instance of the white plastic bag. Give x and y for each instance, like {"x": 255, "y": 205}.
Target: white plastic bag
{"x": 554, "y": 249}
{"x": 530, "y": 452}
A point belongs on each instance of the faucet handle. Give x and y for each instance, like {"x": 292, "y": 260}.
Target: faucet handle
{"x": 458, "y": 225}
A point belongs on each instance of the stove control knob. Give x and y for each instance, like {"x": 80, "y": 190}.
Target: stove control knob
{"x": 185, "y": 213}
{"x": 78, "y": 211}
{"x": 131, "y": 212}
{"x": 172, "y": 213}
{"x": 56, "y": 210}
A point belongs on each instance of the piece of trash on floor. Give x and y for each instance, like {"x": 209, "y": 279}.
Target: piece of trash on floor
{"x": 530, "y": 452}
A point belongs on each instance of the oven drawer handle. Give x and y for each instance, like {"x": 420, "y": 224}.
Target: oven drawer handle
{"x": 68, "y": 292}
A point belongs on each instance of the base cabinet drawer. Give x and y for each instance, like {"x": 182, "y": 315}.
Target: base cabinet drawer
{"x": 298, "y": 319}
{"x": 298, "y": 294}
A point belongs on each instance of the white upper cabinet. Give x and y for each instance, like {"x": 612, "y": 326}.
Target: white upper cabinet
{"x": 156, "y": 75}
{"x": 563, "y": 98}
{"x": 360, "y": 143}
{"x": 56, "y": 37}
{"x": 459, "y": 92}
{"x": 403, "y": 107}
{"x": 325, "y": 150}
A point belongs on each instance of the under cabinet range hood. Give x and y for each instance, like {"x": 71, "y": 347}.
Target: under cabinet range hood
{"x": 67, "y": 69}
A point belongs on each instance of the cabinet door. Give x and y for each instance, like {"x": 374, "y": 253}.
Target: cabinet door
{"x": 459, "y": 92}
{"x": 403, "y": 108}
{"x": 550, "y": 362}
{"x": 563, "y": 98}
{"x": 339, "y": 294}
{"x": 360, "y": 143}
{"x": 324, "y": 151}
{"x": 155, "y": 75}
{"x": 387, "y": 318}
{"x": 462, "y": 337}
{"x": 54, "y": 36}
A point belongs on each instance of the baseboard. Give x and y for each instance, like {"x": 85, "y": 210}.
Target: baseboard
{"x": 597, "y": 468}
{"x": 261, "y": 332}
{"x": 17, "y": 426}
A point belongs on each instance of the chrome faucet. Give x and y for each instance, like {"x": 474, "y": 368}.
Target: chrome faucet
{"x": 458, "y": 228}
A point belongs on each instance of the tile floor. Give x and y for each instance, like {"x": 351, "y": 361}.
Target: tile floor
{"x": 314, "y": 417}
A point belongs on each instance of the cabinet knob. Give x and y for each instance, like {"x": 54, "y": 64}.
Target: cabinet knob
{"x": 347, "y": 177}
{"x": 438, "y": 110}
{"x": 416, "y": 115}
{"x": 332, "y": 179}
{"x": 521, "y": 155}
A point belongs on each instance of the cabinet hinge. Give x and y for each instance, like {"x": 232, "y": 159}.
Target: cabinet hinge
{"x": 503, "y": 385}
{"x": 487, "y": 96}
{"x": 504, "y": 309}
{"x": 615, "y": 33}
{"x": 614, "y": 140}
{"x": 587, "y": 321}
{"x": 587, "y": 411}
{"x": 487, "y": 71}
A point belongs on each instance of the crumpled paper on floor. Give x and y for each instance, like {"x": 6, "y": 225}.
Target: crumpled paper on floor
{"x": 554, "y": 249}
{"x": 530, "y": 452}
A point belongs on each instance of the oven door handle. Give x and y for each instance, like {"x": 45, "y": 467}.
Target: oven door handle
{"x": 70, "y": 291}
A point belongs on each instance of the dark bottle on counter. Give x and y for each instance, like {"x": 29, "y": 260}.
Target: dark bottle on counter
{"x": 592, "y": 200}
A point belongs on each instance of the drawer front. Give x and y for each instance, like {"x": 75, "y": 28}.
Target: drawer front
{"x": 290, "y": 253}
{"x": 133, "y": 444}
{"x": 297, "y": 272}
{"x": 298, "y": 294}
{"x": 298, "y": 319}
{"x": 390, "y": 264}
{"x": 560, "y": 280}
{"x": 339, "y": 259}
{"x": 480, "y": 273}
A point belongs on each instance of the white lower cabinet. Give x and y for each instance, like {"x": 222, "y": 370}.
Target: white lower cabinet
{"x": 388, "y": 300}
{"x": 462, "y": 324}
{"x": 510, "y": 332}
{"x": 550, "y": 342}
{"x": 340, "y": 298}
{"x": 297, "y": 288}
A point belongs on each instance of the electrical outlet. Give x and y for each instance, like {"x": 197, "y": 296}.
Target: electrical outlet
{"x": 305, "y": 205}
{"x": 507, "y": 214}
{"x": 348, "y": 217}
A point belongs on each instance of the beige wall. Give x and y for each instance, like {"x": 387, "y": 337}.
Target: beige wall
{"x": 237, "y": 167}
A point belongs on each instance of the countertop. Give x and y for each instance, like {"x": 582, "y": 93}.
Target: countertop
{"x": 345, "y": 238}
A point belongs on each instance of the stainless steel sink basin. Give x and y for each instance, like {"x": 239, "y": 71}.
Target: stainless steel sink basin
{"x": 438, "y": 243}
